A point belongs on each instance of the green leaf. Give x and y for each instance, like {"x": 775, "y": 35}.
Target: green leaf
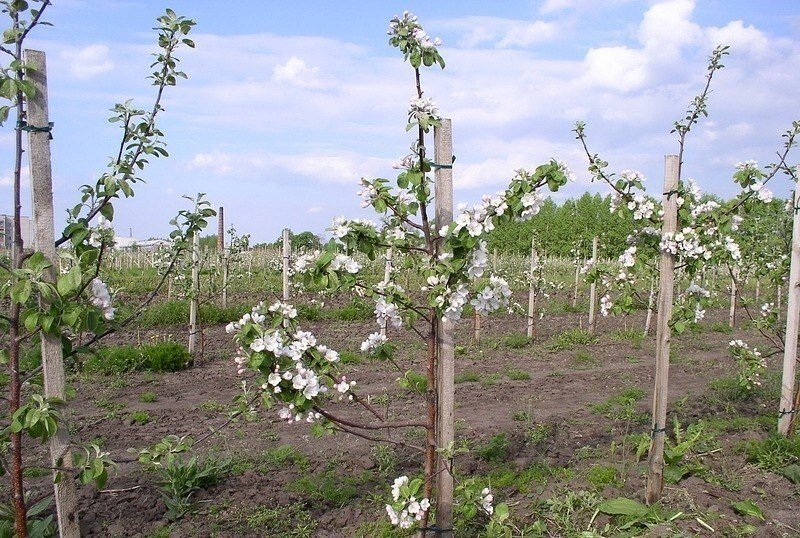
{"x": 623, "y": 507}
{"x": 748, "y": 508}
{"x": 792, "y": 473}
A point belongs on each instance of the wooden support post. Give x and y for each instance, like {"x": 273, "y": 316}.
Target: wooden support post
{"x": 650, "y": 299}
{"x": 532, "y": 288}
{"x": 575, "y": 291}
{"x": 225, "y": 262}
{"x": 445, "y": 364}
{"x": 193, "y": 303}
{"x": 758, "y": 290}
{"x": 221, "y": 229}
{"x": 786, "y": 411}
{"x": 387, "y": 274}
{"x": 669, "y": 223}
{"x": 66, "y": 497}
{"x": 732, "y": 309}
{"x": 593, "y": 291}
{"x": 287, "y": 252}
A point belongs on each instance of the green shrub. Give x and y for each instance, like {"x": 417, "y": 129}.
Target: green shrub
{"x": 148, "y": 397}
{"x": 140, "y": 417}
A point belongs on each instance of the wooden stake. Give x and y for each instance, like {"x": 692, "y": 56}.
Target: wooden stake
{"x": 387, "y": 273}
{"x": 575, "y": 292}
{"x": 66, "y": 497}
{"x": 593, "y": 291}
{"x": 787, "y": 411}
{"x": 195, "y": 294}
{"x": 445, "y": 365}
{"x": 286, "y": 257}
{"x": 655, "y": 463}
{"x": 732, "y": 309}
{"x": 532, "y": 288}
{"x": 649, "y": 318}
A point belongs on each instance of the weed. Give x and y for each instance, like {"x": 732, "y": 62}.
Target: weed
{"x": 602, "y": 475}
{"x": 414, "y": 381}
{"x": 140, "y": 417}
{"x": 521, "y": 415}
{"x": 291, "y": 521}
{"x": 464, "y": 377}
{"x": 571, "y": 338}
{"x": 350, "y": 357}
{"x": 516, "y": 341}
{"x": 774, "y": 453}
{"x": 148, "y": 397}
{"x": 517, "y": 375}
{"x": 166, "y": 356}
{"x": 179, "y": 480}
{"x": 583, "y": 360}
{"x": 490, "y": 379}
{"x": 495, "y": 450}
{"x": 538, "y": 433}
{"x": 634, "y": 336}
{"x": 721, "y": 327}
{"x": 282, "y": 456}
{"x": 385, "y": 458}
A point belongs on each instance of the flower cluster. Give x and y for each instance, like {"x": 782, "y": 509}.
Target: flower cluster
{"x": 487, "y": 500}
{"x": 750, "y": 362}
{"x": 493, "y": 296}
{"x": 295, "y": 368}
{"x": 406, "y": 509}
{"x": 101, "y": 298}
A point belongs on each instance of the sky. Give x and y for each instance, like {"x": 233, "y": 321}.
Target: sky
{"x": 288, "y": 104}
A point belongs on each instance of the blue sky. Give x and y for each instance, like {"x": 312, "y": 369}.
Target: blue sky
{"x": 289, "y": 103}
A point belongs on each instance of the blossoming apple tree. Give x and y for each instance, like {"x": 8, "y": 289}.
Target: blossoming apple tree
{"x": 295, "y": 371}
{"x": 704, "y": 236}
{"x": 48, "y": 310}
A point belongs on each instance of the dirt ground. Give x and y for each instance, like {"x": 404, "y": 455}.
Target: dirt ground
{"x": 337, "y": 485}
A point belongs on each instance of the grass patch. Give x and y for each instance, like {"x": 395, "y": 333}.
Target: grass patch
{"x": 148, "y": 397}
{"x": 721, "y": 327}
{"x": 350, "y": 357}
{"x": 583, "y": 360}
{"x": 495, "y": 450}
{"x": 774, "y": 453}
{"x": 569, "y": 339}
{"x": 140, "y": 417}
{"x": 517, "y": 375}
{"x": 622, "y": 406}
{"x": 276, "y": 458}
{"x": 602, "y": 475}
{"x": 467, "y": 377}
{"x": 516, "y": 341}
{"x": 290, "y": 520}
{"x": 634, "y": 336}
{"x": 165, "y": 356}
{"x": 490, "y": 379}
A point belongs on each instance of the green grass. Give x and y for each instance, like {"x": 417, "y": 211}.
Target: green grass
{"x": 622, "y": 406}
{"x": 490, "y": 379}
{"x": 773, "y": 453}
{"x": 602, "y": 475}
{"x": 516, "y": 341}
{"x": 282, "y": 456}
{"x": 515, "y": 374}
{"x": 165, "y": 356}
{"x": 140, "y": 417}
{"x": 570, "y": 339}
{"x": 467, "y": 377}
{"x": 148, "y": 397}
{"x": 291, "y": 520}
{"x": 177, "y": 313}
{"x": 495, "y": 450}
{"x": 350, "y": 357}
{"x": 583, "y": 360}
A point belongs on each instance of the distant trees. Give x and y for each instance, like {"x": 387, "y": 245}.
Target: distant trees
{"x": 560, "y": 228}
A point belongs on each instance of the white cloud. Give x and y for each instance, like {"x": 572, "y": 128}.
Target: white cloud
{"x": 336, "y": 167}
{"x": 742, "y": 39}
{"x": 88, "y": 62}
{"x": 619, "y": 68}
{"x": 297, "y": 73}
{"x": 501, "y": 33}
